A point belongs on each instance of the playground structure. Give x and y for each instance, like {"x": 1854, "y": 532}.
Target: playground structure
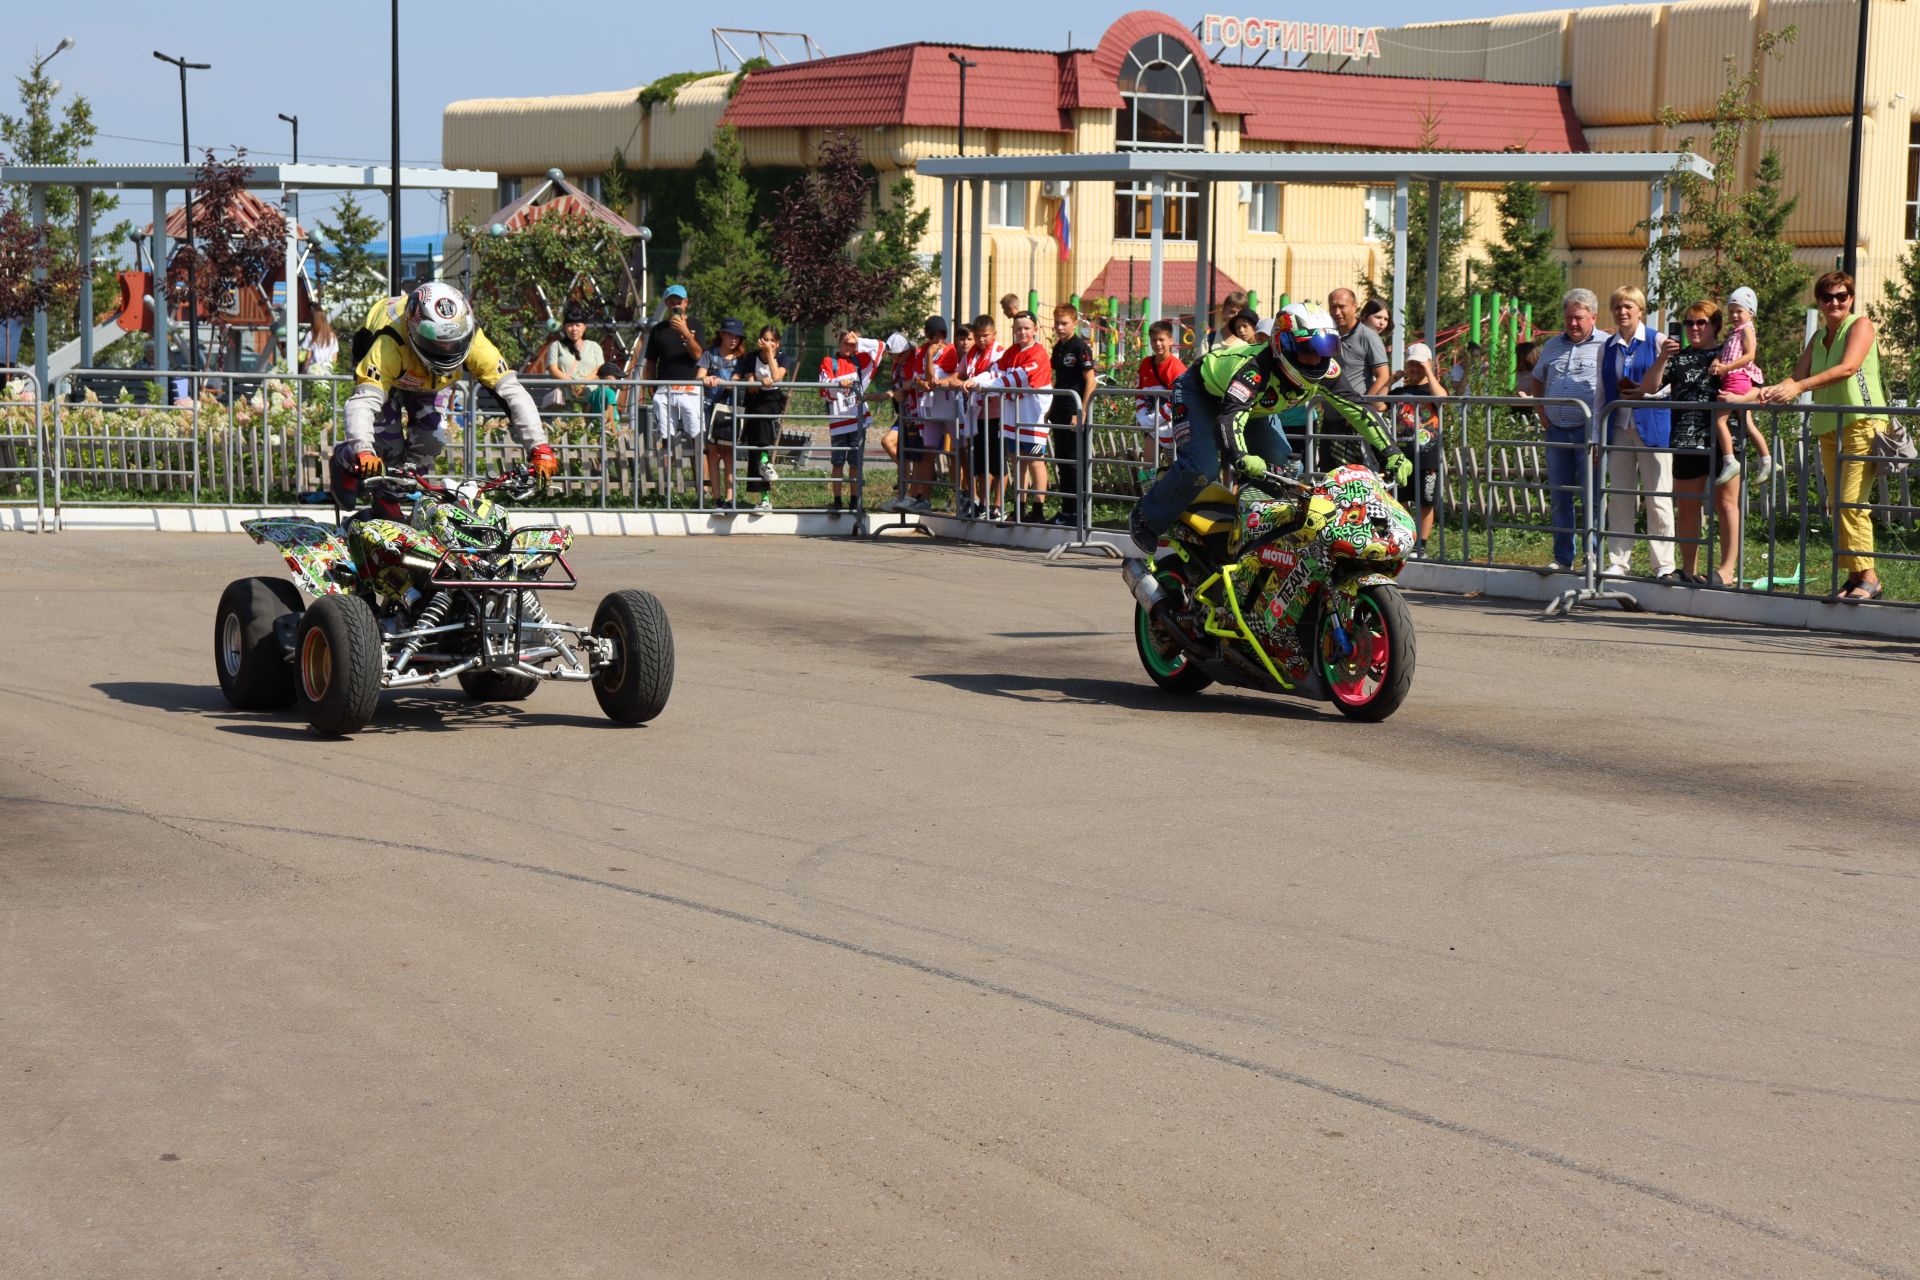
{"x": 160, "y": 179}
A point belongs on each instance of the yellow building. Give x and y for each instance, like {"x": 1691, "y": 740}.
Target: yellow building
{"x": 1567, "y": 80}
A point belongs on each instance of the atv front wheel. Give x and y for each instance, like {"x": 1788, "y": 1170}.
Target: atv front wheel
{"x": 339, "y": 658}
{"x": 253, "y": 669}
{"x": 497, "y": 686}
{"x": 633, "y": 684}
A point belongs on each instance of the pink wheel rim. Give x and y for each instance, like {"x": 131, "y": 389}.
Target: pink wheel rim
{"x": 1357, "y": 679}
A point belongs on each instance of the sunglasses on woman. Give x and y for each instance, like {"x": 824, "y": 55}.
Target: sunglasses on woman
{"x": 1841, "y": 296}
{"x": 1697, "y": 324}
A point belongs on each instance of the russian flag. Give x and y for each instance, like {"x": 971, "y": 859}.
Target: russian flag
{"x": 1062, "y": 228}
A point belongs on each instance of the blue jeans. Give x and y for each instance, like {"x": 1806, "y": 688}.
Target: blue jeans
{"x": 1567, "y": 478}
{"x": 1196, "y": 452}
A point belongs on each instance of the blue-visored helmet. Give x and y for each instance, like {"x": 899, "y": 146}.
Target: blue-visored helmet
{"x": 1301, "y": 329}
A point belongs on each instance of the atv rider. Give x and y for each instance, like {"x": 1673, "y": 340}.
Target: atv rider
{"x": 1212, "y": 400}
{"x": 407, "y": 356}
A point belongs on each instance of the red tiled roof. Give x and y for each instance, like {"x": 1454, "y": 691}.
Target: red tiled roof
{"x": 1390, "y": 113}
{"x": 906, "y": 84}
{"x": 1176, "y": 279}
{"x": 249, "y": 210}
{"x": 1032, "y": 90}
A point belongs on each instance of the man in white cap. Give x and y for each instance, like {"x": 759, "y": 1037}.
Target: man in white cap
{"x": 1418, "y": 428}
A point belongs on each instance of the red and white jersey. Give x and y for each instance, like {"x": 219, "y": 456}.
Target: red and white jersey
{"x": 1027, "y": 374}
{"x": 906, "y": 367}
{"x": 1155, "y": 413}
{"x": 851, "y": 376}
{"x": 980, "y": 363}
{"x": 935, "y": 361}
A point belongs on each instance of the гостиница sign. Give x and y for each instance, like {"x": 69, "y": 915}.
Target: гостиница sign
{"x": 1290, "y": 37}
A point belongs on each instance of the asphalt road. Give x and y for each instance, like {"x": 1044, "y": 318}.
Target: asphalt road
{"x": 922, "y": 937}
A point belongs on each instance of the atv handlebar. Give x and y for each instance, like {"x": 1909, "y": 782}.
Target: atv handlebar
{"x": 516, "y": 481}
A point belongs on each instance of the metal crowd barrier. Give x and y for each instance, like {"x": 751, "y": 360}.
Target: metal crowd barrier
{"x": 23, "y": 441}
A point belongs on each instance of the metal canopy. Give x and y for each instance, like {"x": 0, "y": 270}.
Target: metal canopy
{"x": 293, "y": 177}
{"x": 161, "y": 178}
{"x": 1155, "y": 170}
{"x": 1328, "y": 166}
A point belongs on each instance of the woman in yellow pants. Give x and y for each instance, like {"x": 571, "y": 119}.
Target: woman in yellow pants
{"x": 1841, "y": 366}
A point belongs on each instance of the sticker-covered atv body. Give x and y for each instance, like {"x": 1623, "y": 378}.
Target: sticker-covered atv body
{"x": 431, "y": 584}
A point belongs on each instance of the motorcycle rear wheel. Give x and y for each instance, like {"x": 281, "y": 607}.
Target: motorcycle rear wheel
{"x": 1172, "y": 670}
{"x": 1373, "y": 680}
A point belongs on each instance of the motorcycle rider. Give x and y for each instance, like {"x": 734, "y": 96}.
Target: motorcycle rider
{"x": 1212, "y": 400}
{"x": 407, "y": 356}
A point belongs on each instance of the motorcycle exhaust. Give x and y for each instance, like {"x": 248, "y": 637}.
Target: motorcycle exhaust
{"x": 1146, "y": 588}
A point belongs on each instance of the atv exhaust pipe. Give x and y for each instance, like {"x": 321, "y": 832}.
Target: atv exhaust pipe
{"x": 1145, "y": 587}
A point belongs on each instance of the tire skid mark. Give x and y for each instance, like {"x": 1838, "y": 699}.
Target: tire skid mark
{"x": 1453, "y": 1128}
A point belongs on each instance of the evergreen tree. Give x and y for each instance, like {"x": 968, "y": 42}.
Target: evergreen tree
{"x": 890, "y": 250}
{"x": 1521, "y": 264}
{"x": 42, "y": 135}
{"x": 1717, "y": 237}
{"x": 351, "y": 278}
{"x": 727, "y": 272}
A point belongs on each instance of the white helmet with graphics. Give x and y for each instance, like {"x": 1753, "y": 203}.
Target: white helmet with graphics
{"x": 439, "y": 326}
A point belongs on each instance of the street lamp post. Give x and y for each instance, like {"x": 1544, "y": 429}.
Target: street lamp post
{"x": 1851, "y": 259}
{"x": 292, "y": 273}
{"x": 66, "y": 43}
{"x": 960, "y": 206}
{"x": 393, "y": 194}
{"x": 186, "y": 157}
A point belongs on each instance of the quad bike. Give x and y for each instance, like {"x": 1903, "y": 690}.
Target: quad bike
{"x": 1292, "y": 592}
{"x": 429, "y": 584}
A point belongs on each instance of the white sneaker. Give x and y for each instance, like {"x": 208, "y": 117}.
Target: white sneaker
{"x": 765, "y": 505}
{"x": 1729, "y": 468}
{"x": 997, "y": 515}
{"x": 1762, "y": 469}
{"x": 901, "y": 504}
{"x": 1554, "y": 566}
{"x": 771, "y": 476}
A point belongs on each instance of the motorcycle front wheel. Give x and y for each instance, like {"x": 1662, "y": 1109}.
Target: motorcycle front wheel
{"x": 1373, "y": 677}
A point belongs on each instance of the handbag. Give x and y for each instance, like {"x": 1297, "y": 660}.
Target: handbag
{"x": 1893, "y": 446}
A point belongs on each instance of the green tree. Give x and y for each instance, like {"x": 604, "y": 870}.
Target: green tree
{"x": 1897, "y": 317}
{"x": 891, "y": 249}
{"x": 351, "y": 278}
{"x": 727, "y": 271}
{"x": 1717, "y": 236}
{"x": 49, "y": 133}
{"x": 523, "y": 279}
{"x": 1521, "y": 264}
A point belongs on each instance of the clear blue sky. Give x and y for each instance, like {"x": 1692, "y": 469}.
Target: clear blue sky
{"x": 328, "y": 63}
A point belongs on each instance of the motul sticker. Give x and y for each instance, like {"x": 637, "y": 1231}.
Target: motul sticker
{"x": 1279, "y": 558}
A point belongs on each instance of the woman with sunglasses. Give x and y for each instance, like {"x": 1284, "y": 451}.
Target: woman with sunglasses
{"x": 1841, "y": 366}
{"x": 1685, "y": 375}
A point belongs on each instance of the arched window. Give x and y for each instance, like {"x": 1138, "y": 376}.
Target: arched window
{"x": 1163, "y": 108}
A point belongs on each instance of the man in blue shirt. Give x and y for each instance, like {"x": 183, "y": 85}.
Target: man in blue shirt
{"x": 1569, "y": 370}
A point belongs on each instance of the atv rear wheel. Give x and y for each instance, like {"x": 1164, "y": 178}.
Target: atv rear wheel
{"x": 1375, "y": 676}
{"x": 497, "y": 686}
{"x": 339, "y": 658}
{"x": 253, "y": 669}
{"x": 633, "y": 685}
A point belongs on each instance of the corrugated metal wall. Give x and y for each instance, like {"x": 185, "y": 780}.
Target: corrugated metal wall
{"x": 1700, "y": 36}
{"x": 1617, "y": 64}
{"x": 1530, "y": 48}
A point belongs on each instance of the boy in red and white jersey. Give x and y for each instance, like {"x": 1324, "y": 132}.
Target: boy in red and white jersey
{"x": 846, "y": 373}
{"x": 935, "y": 362}
{"x": 1025, "y": 372}
{"x": 1160, "y": 368}
{"x": 905, "y": 412}
{"x": 989, "y": 453}
{"x": 949, "y": 379}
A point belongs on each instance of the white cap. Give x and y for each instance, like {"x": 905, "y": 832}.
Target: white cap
{"x": 1420, "y": 351}
{"x": 1744, "y": 297}
{"x": 897, "y": 343}
{"x": 1265, "y": 327}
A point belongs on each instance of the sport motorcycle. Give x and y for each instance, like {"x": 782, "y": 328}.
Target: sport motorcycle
{"x": 1285, "y": 587}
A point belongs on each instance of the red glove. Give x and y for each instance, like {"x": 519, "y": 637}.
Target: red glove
{"x": 368, "y": 464}
{"x": 544, "y": 461}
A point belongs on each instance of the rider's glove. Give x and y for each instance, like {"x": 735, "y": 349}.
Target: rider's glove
{"x": 544, "y": 461}
{"x": 1251, "y": 465}
{"x": 1399, "y": 469}
{"x": 367, "y": 463}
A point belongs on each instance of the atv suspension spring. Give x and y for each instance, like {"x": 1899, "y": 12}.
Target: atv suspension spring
{"x": 430, "y": 615}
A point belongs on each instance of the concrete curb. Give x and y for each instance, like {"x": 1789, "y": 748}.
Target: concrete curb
{"x": 1467, "y": 580}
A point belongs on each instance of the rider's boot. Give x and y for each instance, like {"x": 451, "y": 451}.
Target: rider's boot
{"x": 1144, "y": 538}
